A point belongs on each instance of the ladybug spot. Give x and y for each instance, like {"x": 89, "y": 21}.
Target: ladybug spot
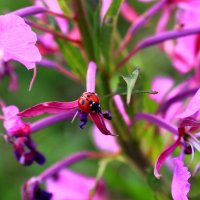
{"x": 82, "y": 102}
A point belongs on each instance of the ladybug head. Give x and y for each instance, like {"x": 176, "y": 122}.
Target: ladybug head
{"x": 95, "y": 107}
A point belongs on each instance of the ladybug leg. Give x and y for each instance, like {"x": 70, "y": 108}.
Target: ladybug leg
{"x": 83, "y": 119}
{"x": 107, "y": 115}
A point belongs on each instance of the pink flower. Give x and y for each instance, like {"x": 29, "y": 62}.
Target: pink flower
{"x": 13, "y": 123}
{"x": 185, "y": 139}
{"x": 17, "y": 41}
{"x": 167, "y": 91}
{"x": 105, "y": 6}
{"x": 180, "y": 185}
{"x": 104, "y": 143}
{"x": 70, "y": 185}
{"x": 184, "y": 54}
{"x": 193, "y": 106}
{"x": 54, "y": 6}
{"x": 87, "y": 105}
{"x": 162, "y": 85}
{"x": 18, "y": 136}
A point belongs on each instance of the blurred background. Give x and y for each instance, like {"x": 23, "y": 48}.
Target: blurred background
{"x": 64, "y": 138}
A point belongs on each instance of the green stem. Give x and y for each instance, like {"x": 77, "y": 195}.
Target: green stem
{"x": 130, "y": 145}
{"x": 84, "y": 27}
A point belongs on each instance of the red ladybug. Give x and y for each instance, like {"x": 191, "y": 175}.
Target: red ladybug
{"x": 89, "y": 102}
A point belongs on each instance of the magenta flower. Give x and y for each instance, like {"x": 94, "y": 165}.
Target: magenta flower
{"x": 188, "y": 16}
{"x": 17, "y": 41}
{"x": 54, "y": 6}
{"x": 12, "y": 123}
{"x": 166, "y": 93}
{"x": 166, "y": 83}
{"x": 87, "y": 105}
{"x": 180, "y": 185}
{"x": 62, "y": 183}
{"x": 70, "y": 185}
{"x": 108, "y": 144}
{"x": 18, "y": 136}
{"x": 184, "y": 138}
{"x": 192, "y": 108}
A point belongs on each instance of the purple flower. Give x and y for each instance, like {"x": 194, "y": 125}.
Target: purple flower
{"x": 167, "y": 92}
{"x": 87, "y": 105}
{"x": 62, "y": 183}
{"x": 180, "y": 185}
{"x": 18, "y": 136}
{"x": 104, "y": 143}
{"x": 183, "y": 137}
{"x": 31, "y": 191}
{"x": 70, "y": 185}
{"x": 17, "y": 41}
{"x": 54, "y": 6}
{"x": 192, "y": 108}
{"x": 12, "y": 123}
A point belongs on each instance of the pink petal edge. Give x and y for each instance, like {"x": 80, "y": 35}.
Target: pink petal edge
{"x": 163, "y": 156}
{"x": 193, "y": 106}
{"x": 180, "y": 185}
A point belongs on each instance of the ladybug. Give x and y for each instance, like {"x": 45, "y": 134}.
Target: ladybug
{"x": 89, "y": 102}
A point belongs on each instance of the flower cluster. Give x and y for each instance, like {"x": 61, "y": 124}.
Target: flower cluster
{"x": 96, "y": 42}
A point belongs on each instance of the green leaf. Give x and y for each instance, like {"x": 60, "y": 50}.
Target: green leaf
{"x": 130, "y": 81}
{"x": 96, "y": 33}
{"x": 85, "y": 27}
{"x": 108, "y": 28}
{"x": 64, "y": 5}
{"x": 73, "y": 57}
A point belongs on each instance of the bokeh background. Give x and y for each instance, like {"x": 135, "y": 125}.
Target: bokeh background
{"x": 64, "y": 138}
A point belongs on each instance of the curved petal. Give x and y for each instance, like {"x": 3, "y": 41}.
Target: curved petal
{"x": 166, "y": 82}
{"x": 17, "y": 41}
{"x": 71, "y": 185}
{"x": 13, "y": 123}
{"x": 162, "y": 157}
{"x": 91, "y": 77}
{"x": 180, "y": 185}
{"x": 121, "y": 108}
{"x": 99, "y": 121}
{"x": 104, "y": 143}
{"x": 193, "y": 106}
{"x": 52, "y": 107}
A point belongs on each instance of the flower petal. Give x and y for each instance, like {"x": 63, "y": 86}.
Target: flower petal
{"x": 180, "y": 185}
{"x": 166, "y": 83}
{"x": 13, "y": 123}
{"x": 104, "y": 8}
{"x": 70, "y": 185}
{"x": 104, "y": 143}
{"x": 163, "y": 156}
{"x": 18, "y": 41}
{"x": 91, "y": 77}
{"x": 121, "y": 108}
{"x": 99, "y": 121}
{"x": 52, "y": 107}
{"x": 193, "y": 106}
